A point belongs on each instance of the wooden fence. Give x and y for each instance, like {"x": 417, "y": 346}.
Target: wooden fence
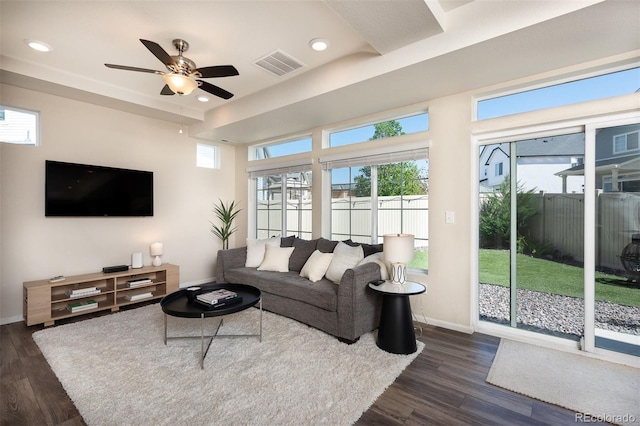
{"x": 559, "y": 222}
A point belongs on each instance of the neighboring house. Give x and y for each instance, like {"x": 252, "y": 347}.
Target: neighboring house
{"x": 617, "y": 160}
{"x": 538, "y": 161}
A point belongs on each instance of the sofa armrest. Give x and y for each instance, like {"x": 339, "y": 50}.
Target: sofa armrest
{"x": 358, "y": 306}
{"x": 229, "y": 259}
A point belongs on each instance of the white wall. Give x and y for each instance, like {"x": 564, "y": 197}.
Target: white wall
{"x": 34, "y": 247}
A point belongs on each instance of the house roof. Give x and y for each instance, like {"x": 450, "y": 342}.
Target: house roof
{"x": 563, "y": 145}
{"x": 382, "y": 54}
{"x": 625, "y": 164}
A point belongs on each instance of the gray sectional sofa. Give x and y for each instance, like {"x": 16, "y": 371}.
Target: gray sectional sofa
{"x": 346, "y": 310}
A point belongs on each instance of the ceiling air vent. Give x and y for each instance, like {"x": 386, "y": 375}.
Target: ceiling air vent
{"x": 279, "y": 63}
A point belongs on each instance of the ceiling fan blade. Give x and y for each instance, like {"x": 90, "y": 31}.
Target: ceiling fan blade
{"x": 166, "y": 90}
{"x": 128, "y": 68}
{"x": 218, "y": 71}
{"x": 159, "y": 52}
{"x": 214, "y": 90}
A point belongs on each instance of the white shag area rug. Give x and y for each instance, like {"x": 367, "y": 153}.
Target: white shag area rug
{"x": 596, "y": 390}
{"x": 117, "y": 370}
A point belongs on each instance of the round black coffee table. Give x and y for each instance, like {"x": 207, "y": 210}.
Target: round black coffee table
{"x": 177, "y": 304}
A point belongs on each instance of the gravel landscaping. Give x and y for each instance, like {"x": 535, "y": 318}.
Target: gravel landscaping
{"x": 554, "y": 314}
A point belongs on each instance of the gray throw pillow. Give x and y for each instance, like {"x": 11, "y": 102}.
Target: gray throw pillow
{"x": 302, "y": 250}
{"x": 326, "y": 246}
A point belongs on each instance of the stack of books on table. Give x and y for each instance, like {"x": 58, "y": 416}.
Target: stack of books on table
{"x": 82, "y": 305}
{"x": 132, "y": 297}
{"x": 219, "y": 298}
{"x": 138, "y": 282}
{"x": 81, "y": 292}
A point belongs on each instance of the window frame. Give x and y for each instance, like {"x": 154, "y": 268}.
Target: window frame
{"x": 397, "y": 153}
{"x": 36, "y": 114}
{"x": 626, "y": 142}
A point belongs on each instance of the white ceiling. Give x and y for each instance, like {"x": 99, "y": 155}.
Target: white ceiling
{"x": 383, "y": 53}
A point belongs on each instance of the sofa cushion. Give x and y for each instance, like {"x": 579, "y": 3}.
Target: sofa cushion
{"x": 303, "y": 249}
{"x": 344, "y": 257}
{"x": 378, "y": 258}
{"x": 255, "y": 250}
{"x": 322, "y": 294}
{"x": 370, "y": 249}
{"x": 276, "y": 259}
{"x": 287, "y": 241}
{"x": 316, "y": 266}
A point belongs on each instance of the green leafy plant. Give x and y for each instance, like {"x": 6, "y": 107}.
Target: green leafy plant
{"x": 495, "y": 216}
{"x": 226, "y": 213}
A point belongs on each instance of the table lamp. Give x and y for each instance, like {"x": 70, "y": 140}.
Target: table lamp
{"x": 398, "y": 250}
{"x": 156, "y": 252}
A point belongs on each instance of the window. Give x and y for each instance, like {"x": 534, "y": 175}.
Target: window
{"x": 400, "y": 126}
{"x": 625, "y": 142}
{"x": 498, "y": 169}
{"x": 587, "y": 89}
{"x": 18, "y": 126}
{"x": 207, "y": 156}
{"x": 381, "y": 194}
{"x": 281, "y": 148}
{"x": 283, "y": 203}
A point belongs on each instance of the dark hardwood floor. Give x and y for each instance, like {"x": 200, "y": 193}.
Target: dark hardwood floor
{"x": 444, "y": 385}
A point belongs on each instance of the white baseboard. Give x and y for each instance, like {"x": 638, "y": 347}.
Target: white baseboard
{"x": 11, "y": 320}
{"x": 198, "y": 282}
{"x": 444, "y": 324}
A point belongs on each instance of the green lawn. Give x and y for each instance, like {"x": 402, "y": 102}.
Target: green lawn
{"x": 552, "y": 277}
{"x": 545, "y": 276}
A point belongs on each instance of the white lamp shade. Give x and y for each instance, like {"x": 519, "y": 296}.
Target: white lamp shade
{"x": 180, "y": 84}
{"x": 156, "y": 249}
{"x": 398, "y": 248}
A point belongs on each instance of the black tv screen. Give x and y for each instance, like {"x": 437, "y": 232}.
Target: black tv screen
{"x": 86, "y": 190}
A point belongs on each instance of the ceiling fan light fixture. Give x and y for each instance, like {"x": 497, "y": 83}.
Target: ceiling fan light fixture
{"x": 180, "y": 84}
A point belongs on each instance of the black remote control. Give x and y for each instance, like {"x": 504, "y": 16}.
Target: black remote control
{"x": 376, "y": 282}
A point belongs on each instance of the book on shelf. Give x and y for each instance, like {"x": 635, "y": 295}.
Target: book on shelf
{"x": 138, "y": 296}
{"x": 82, "y": 305}
{"x": 82, "y": 292}
{"x": 217, "y": 296}
{"x": 138, "y": 282}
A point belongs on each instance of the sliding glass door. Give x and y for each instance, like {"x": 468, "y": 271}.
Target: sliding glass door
{"x": 559, "y": 235}
{"x": 617, "y": 236}
{"x": 531, "y": 235}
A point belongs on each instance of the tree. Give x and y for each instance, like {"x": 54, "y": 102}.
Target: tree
{"x": 393, "y": 179}
{"x": 495, "y": 215}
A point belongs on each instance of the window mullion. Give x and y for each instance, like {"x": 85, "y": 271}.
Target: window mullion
{"x": 374, "y": 204}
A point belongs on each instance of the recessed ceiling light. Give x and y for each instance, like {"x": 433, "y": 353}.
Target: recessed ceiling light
{"x": 319, "y": 44}
{"x": 202, "y": 99}
{"x": 40, "y": 46}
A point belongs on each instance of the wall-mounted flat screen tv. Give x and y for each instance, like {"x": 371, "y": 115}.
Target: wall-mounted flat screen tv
{"x": 86, "y": 190}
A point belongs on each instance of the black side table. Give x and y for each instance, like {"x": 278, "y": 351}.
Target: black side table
{"x": 395, "y": 332}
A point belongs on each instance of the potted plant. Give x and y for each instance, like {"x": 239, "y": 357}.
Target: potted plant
{"x": 226, "y": 213}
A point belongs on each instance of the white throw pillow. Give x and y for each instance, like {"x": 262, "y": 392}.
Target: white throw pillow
{"x": 379, "y": 259}
{"x": 316, "y": 266}
{"x": 344, "y": 257}
{"x": 276, "y": 259}
{"x": 255, "y": 250}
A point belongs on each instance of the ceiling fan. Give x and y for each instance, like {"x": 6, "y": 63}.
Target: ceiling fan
{"x": 182, "y": 74}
